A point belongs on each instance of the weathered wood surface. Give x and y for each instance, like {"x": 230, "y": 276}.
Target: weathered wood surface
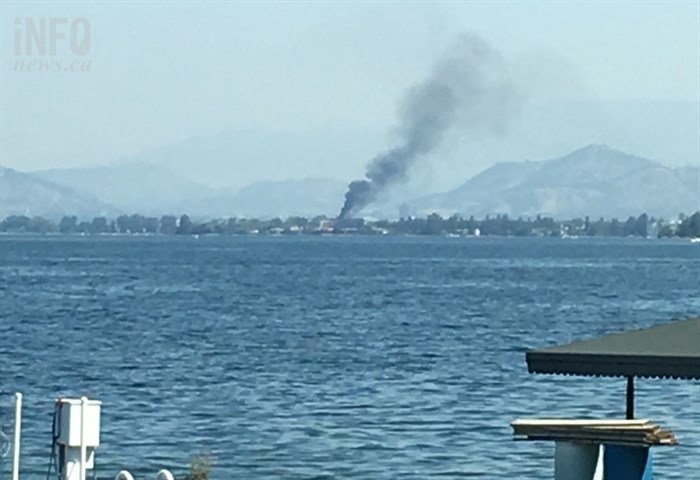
{"x": 620, "y": 432}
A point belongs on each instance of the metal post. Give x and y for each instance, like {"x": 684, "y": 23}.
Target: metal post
{"x": 83, "y": 448}
{"x": 18, "y": 430}
{"x": 577, "y": 461}
{"x": 630, "y": 398}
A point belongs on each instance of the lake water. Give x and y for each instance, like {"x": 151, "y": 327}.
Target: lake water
{"x": 332, "y": 357}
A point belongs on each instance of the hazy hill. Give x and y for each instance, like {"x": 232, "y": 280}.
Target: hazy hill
{"x": 690, "y": 176}
{"x": 595, "y": 180}
{"x": 153, "y": 190}
{"x": 478, "y": 191}
{"x": 132, "y": 187}
{"x": 240, "y": 158}
{"x": 25, "y": 194}
{"x": 665, "y": 130}
{"x": 306, "y": 197}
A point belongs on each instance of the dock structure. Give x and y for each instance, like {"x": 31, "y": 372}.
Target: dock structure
{"x": 613, "y": 449}
{"x": 75, "y": 438}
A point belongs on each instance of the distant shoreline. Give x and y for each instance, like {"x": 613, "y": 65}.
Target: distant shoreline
{"x": 642, "y": 226}
{"x": 340, "y": 235}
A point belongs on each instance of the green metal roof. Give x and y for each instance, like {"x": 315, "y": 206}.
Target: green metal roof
{"x": 668, "y": 350}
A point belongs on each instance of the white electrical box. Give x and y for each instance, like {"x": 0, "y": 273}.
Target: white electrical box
{"x": 68, "y": 423}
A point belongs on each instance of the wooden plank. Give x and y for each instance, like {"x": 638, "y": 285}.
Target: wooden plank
{"x": 643, "y": 439}
{"x": 593, "y": 430}
{"x": 631, "y": 428}
{"x": 595, "y": 442}
{"x": 601, "y": 436}
{"x": 638, "y": 432}
{"x": 563, "y": 421}
{"x": 632, "y": 434}
{"x": 639, "y": 438}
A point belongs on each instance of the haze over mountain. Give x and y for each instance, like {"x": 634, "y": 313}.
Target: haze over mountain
{"x": 666, "y": 131}
{"x": 132, "y": 187}
{"x": 313, "y": 92}
{"x": 595, "y": 180}
{"x": 236, "y": 159}
{"x": 26, "y": 194}
{"x": 151, "y": 189}
{"x": 306, "y": 197}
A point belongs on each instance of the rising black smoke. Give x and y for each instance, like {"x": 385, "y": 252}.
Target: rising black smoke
{"x": 469, "y": 86}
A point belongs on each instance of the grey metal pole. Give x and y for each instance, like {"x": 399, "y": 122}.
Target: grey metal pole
{"x": 83, "y": 447}
{"x": 630, "y": 398}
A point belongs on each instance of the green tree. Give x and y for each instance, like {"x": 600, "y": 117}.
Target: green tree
{"x": 99, "y": 225}
{"x": 695, "y": 225}
{"x": 185, "y": 225}
{"x": 168, "y": 225}
{"x": 690, "y": 226}
{"x": 630, "y": 227}
{"x": 41, "y": 225}
{"x": 123, "y": 224}
{"x": 15, "y": 223}
{"x": 641, "y": 225}
{"x": 137, "y": 223}
{"x": 150, "y": 225}
{"x": 434, "y": 224}
{"x": 68, "y": 224}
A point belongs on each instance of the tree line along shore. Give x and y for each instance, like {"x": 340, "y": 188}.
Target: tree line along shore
{"x": 686, "y": 226}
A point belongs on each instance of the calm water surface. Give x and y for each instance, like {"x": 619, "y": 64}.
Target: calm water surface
{"x": 315, "y": 357}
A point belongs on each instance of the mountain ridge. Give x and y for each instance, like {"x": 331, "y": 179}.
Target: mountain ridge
{"x": 142, "y": 186}
{"x": 23, "y": 193}
{"x": 594, "y": 180}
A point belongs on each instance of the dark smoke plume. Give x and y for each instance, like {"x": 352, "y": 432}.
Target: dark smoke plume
{"x": 469, "y": 87}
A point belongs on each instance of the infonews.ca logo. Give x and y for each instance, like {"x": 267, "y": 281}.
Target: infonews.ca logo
{"x": 52, "y": 44}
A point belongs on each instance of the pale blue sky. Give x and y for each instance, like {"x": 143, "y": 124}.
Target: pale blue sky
{"x": 162, "y": 72}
